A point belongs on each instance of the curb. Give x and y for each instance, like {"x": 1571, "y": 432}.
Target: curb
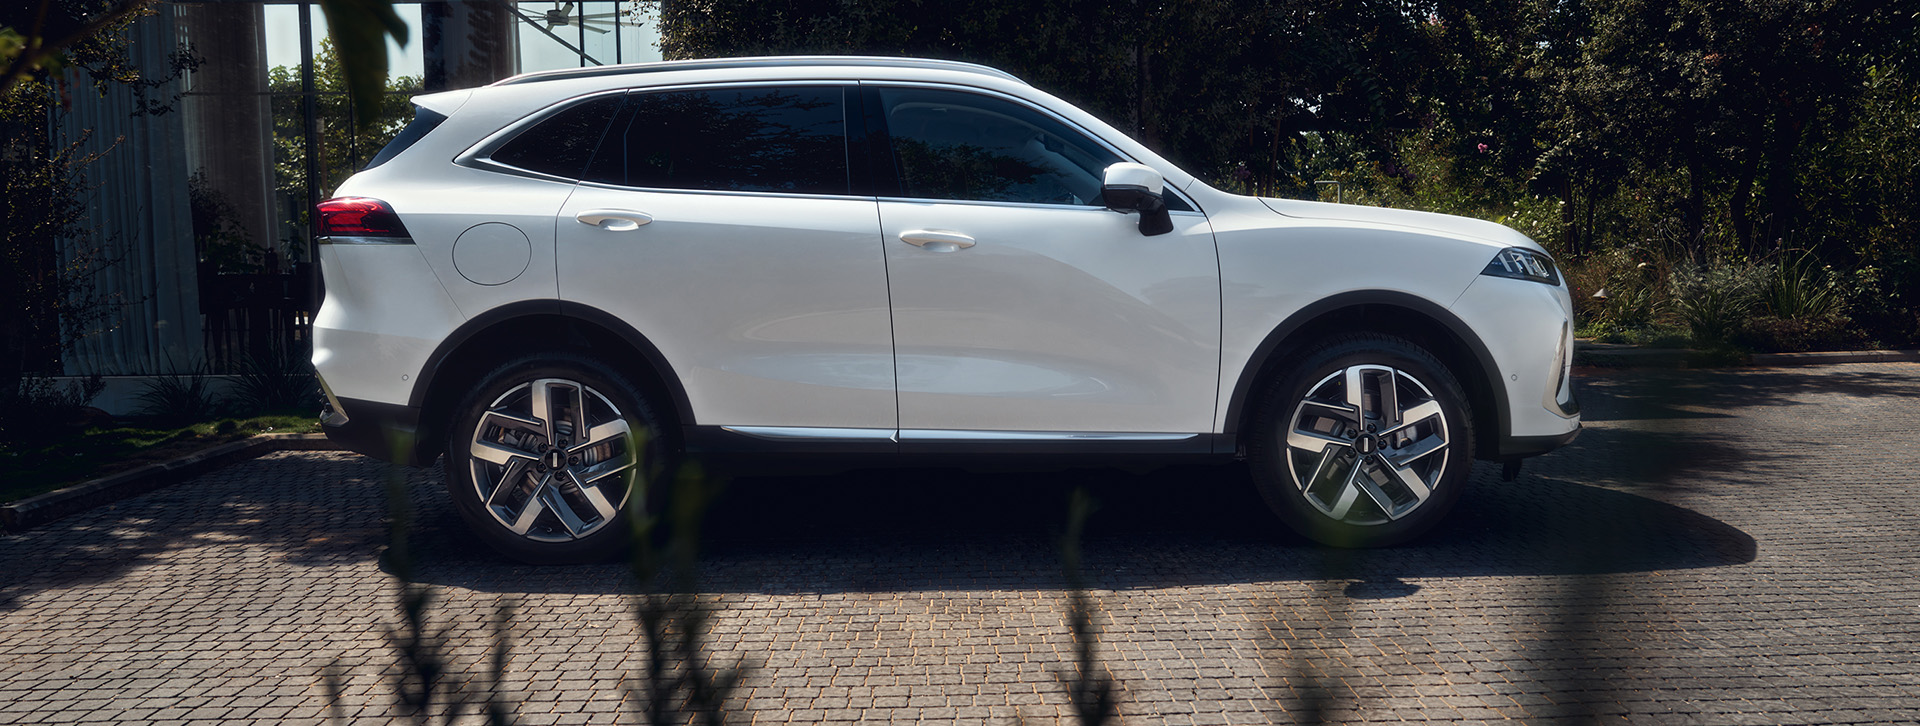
{"x": 1624, "y": 356}
{"x": 43, "y": 508}
{"x": 1842, "y": 356}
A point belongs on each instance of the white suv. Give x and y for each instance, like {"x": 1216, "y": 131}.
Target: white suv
{"x": 892, "y": 259}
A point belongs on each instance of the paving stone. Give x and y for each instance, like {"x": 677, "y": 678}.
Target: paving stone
{"x": 1722, "y": 546}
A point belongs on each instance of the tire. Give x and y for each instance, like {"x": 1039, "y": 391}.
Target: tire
{"x": 1366, "y": 470}
{"x": 529, "y": 484}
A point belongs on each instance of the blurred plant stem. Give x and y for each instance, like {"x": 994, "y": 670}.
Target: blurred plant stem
{"x": 677, "y": 684}
{"x": 1089, "y": 689}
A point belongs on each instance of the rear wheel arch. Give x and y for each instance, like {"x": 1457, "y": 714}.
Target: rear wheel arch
{"x": 1416, "y": 319}
{"x": 484, "y": 342}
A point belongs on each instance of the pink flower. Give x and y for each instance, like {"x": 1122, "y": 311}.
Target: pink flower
{"x": 1485, "y": 148}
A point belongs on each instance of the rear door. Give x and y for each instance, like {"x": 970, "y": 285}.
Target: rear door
{"x": 718, "y": 221}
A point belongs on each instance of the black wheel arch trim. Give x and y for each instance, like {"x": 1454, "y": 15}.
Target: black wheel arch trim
{"x": 1269, "y": 352}
{"x": 423, "y": 384}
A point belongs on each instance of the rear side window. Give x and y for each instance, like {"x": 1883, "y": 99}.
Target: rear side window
{"x": 561, "y": 144}
{"x": 777, "y": 139}
{"x": 424, "y": 120}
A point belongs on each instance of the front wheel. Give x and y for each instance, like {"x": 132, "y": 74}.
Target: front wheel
{"x": 544, "y": 454}
{"x": 1365, "y": 442}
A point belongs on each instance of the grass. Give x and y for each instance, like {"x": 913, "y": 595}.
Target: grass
{"x": 37, "y": 467}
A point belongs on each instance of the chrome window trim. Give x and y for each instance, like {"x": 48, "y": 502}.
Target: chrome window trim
{"x": 1098, "y": 139}
{"x": 723, "y": 192}
{"x": 1023, "y": 205}
{"x": 482, "y": 151}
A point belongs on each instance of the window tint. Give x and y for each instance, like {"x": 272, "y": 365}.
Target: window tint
{"x": 732, "y": 139}
{"x": 562, "y": 144}
{"x": 424, "y": 120}
{"x": 955, "y": 145}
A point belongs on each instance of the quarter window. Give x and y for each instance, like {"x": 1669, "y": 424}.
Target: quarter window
{"x": 561, "y": 144}
{"x": 790, "y": 139}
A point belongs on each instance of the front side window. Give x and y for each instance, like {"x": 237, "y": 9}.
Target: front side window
{"x": 779, "y": 139}
{"x": 957, "y": 145}
{"x": 562, "y": 143}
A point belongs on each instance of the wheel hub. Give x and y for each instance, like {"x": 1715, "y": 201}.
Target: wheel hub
{"x": 1366, "y": 444}
{"x": 554, "y": 459}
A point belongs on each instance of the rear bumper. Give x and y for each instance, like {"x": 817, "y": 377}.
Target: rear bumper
{"x": 385, "y": 431}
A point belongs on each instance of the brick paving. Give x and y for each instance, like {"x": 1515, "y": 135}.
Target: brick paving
{"x": 1720, "y": 547}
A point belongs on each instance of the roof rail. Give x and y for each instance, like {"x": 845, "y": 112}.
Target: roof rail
{"x": 757, "y": 62}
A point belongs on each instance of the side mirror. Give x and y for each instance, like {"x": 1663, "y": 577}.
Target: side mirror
{"x": 1131, "y": 187}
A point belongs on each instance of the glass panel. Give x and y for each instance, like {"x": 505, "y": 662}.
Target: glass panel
{"x": 562, "y": 144}
{"x": 955, "y": 145}
{"x": 736, "y": 139}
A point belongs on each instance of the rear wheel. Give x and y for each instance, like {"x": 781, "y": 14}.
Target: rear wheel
{"x": 1366, "y": 441}
{"x": 544, "y": 455}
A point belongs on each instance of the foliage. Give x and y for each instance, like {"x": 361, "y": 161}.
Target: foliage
{"x": 178, "y": 396}
{"x": 348, "y": 134}
{"x": 361, "y": 28}
{"x": 277, "y": 381}
{"x": 678, "y": 685}
{"x": 1714, "y": 298}
{"x": 39, "y": 409}
{"x": 40, "y": 464}
{"x": 218, "y": 239}
{"x": 49, "y": 256}
{"x": 1700, "y": 128}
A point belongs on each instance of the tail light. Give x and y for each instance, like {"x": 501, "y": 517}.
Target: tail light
{"x": 360, "y": 217}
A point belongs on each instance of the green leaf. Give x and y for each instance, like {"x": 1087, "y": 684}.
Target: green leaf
{"x": 359, "y": 29}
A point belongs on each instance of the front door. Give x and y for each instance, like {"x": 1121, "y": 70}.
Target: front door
{"x": 1020, "y": 303}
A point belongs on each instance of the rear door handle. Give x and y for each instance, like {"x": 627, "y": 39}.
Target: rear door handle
{"x": 936, "y": 240}
{"x": 616, "y": 220}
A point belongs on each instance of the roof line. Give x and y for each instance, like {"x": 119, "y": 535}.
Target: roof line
{"x": 757, "y": 62}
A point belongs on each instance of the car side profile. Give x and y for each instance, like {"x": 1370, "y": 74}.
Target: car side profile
{"x": 559, "y": 277}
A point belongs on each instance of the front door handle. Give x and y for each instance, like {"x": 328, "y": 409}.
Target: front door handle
{"x": 616, "y": 220}
{"x": 935, "y": 240}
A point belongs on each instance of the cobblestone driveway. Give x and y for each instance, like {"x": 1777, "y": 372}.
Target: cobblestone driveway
{"x": 1718, "y": 547}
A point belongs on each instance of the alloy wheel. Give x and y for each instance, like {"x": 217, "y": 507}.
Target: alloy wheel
{"x": 553, "y": 460}
{"x": 1367, "y": 444}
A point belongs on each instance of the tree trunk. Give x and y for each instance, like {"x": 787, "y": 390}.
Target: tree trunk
{"x": 1696, "y": 199}
{"x": 1743, "y": 193}
{"x": 1783, "y": 191}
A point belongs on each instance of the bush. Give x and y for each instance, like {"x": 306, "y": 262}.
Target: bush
{"x": 1713, "y": 299}
{"x": 41, "y": 409}
{"x": 177, "y": 398}
{"x": 278, "y": 382}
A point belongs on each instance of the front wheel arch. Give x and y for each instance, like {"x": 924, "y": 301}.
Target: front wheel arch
{"x": 1397, "y": 314}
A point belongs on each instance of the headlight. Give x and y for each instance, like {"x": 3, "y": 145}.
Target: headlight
{"x": 1521, "y": 263}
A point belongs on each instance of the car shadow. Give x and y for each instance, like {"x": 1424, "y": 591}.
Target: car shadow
{"x": 951, "y": 530}
{"x": 1619, "y": 499}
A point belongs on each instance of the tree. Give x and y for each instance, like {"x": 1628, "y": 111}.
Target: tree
{"x": 350, "y": 131}
{"x": 42, "y": 183}
{"x": 1217, "y": 86}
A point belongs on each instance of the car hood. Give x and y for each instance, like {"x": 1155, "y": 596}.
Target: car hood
{"x": 1476, "y": 229}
